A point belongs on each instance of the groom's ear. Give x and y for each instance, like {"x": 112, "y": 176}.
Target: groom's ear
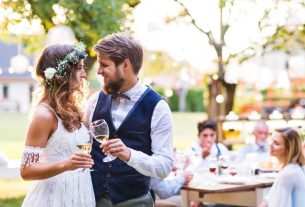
{"x": 127, "y": 65}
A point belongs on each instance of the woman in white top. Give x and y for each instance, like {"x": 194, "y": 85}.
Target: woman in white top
{"x": 288, "y": 189}
{"x": 50, "y": 154}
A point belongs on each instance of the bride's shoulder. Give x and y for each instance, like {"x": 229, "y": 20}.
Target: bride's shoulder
{"x": 42, "y": 125}
{"x": 44, "y": 115}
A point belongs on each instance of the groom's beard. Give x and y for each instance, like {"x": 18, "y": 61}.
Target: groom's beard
{"x": 114, "y": 86}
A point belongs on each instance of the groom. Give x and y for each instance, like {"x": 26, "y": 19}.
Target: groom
{"x": 140, "y": 127}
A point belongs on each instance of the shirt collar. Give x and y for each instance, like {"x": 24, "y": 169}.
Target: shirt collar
{"x": 135, "y": 90}
{"x": 261, "y": 148}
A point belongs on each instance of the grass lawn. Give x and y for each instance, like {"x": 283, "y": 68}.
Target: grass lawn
{"x": 13, "y": 128}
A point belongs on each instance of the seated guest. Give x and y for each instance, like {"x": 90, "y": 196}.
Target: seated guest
{"x": 206, "y": 146}
{"x": 288, "y": 189}
{"x": 260, "y": 147}
{"x": 169, "y": 187}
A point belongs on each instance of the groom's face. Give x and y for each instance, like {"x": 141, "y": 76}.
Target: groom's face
{"x": 112, "y": 74}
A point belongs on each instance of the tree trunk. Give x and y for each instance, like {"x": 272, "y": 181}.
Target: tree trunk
{"x": 214, "y": 108}
{"x": 230, "y": 94}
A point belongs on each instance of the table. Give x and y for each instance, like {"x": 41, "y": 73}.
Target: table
{"x": 248, "y": 194}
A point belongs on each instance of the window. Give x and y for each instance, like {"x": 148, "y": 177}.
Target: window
{"x": 31, "y": 92}
{"x": 5, "y": 91}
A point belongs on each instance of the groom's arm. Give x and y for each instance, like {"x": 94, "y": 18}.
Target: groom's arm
{"x": 161, "y": 162}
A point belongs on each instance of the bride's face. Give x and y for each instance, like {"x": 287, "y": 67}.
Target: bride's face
{"x": 80, "y": 72}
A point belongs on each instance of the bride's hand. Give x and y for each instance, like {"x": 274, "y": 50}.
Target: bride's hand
{"x": 78, "y": 160}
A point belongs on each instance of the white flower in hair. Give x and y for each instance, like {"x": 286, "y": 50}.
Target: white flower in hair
{"x": 49, "y": 73}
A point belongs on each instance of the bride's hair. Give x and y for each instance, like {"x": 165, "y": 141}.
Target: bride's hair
{"x": 66, "y": 98}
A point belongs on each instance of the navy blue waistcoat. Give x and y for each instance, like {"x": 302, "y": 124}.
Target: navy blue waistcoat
{"x": 120, "y": 180}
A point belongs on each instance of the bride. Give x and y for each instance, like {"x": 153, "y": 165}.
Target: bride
{"x": 50, "y": 154}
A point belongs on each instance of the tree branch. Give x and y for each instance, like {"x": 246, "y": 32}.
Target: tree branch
{"x": 193, "y": 21}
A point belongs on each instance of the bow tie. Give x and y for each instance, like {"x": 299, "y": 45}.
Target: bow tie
{"x": 120, "y": 95}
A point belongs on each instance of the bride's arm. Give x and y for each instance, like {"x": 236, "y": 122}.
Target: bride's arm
{"x": 43, "y": 124}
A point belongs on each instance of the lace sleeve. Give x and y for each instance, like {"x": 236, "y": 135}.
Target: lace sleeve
{"x": 31, "y": 156}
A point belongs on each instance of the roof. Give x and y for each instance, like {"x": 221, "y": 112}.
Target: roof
{"x": 8, "y": 51}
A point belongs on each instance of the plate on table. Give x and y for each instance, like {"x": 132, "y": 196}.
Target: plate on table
{"x": 236, "y": 180}
{"x": 268, "y": 175}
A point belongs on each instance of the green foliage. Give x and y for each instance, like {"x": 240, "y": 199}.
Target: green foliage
{"x": 286, "y": 40}
{"x": 194, "y": 100}
{"x": 11, "y": 202}
{"x": 159, "y": 63}
{"x": 173, "y": 101}
{"x": 90, "y": 22}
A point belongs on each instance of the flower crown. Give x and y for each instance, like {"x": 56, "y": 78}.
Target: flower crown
{"x": 60, "y": 70}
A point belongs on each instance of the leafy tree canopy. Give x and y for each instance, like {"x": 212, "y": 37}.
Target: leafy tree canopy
{"x": 90, "y": 20}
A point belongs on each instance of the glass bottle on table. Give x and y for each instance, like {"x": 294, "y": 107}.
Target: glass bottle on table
{"x": 223, "y": 163}
{"x": 100, "y": 132}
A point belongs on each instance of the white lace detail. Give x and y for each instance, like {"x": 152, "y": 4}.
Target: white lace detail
{"x": 31, "y": 156}
{"x": 70, "y": 188}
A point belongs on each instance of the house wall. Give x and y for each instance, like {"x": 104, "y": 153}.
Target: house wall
{"x": 18, "y": 96}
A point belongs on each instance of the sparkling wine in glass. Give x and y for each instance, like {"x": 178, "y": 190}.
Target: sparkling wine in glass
{"x": 100, "y": 132}
{"x": 83, "y": 140}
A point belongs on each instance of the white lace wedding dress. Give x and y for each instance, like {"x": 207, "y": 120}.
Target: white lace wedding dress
{"x": 68, "y": 189}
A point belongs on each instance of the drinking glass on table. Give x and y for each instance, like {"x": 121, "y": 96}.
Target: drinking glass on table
{"x": 180, "y": 160}
{"x": 224, "y": 163}
{"x": 212, "y": 161}
{"x": 233, "y": 171}
{"x": 100, "y": 132}
{"x": 83, "y": 140}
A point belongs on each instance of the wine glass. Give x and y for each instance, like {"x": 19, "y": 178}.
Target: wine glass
{"x": 233, "y": 171}
{"x": 83, "y": 140}
{"x": 180, "y": 160}
{"x": 212, "y": 165}
{"x": 100, "y": 132}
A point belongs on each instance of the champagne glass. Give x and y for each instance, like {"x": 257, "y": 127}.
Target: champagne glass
{"x": 100, "y": 132}
{"x": 83, "y": 141}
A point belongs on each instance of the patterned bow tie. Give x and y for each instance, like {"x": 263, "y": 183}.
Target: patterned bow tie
{"x": 120, "y": 95}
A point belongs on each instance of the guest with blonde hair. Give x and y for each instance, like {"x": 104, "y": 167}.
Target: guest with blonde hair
{"x": 288, "y": 189}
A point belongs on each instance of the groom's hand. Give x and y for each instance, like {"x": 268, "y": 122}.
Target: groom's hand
{"x": 116, "y": 148}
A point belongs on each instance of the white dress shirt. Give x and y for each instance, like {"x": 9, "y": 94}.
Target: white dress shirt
{"x": 195, "y": 153}
{"x": 168, "y": 187}
{"x": 160, "y": 163}
{"x": 260, "y": 151}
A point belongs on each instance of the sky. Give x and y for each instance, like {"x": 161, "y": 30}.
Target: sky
{"x": 184, "y": 42}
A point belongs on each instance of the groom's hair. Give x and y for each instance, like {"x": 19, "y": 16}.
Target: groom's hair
{"x": 119, "y": 47}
